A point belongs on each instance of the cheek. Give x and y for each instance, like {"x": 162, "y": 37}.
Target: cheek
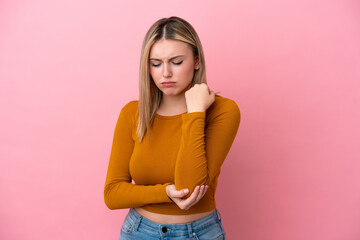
{"x": 154, "y": 72}
{"x": 186, "y": 71}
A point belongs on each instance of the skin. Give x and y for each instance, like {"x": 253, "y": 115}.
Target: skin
{"x": 173, "y": 60}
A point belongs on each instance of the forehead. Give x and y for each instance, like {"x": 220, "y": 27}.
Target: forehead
{"x": 167, "y": 48}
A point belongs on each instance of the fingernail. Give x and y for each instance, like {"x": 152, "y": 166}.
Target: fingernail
{"x": 186, "y": 191}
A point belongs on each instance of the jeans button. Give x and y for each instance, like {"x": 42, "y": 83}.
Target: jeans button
{"x": 164, "y": 229}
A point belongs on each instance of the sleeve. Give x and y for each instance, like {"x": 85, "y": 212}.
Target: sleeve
{"x": 203, "y": 151}
{"x": 119, "y": 191}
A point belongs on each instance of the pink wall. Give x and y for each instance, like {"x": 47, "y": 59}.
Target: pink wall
{"x": 67, "y": 67}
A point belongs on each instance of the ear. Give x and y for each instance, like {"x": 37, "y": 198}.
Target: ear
{"x": 197, "y": 63}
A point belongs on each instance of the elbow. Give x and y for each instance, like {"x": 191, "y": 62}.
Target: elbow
{"x": 199, "y": 182}
{"x": 108, "y": 200}
{"x": 109, "y": 204}
{"x": 112, "y": 199}
{"x": 191, "y": 183}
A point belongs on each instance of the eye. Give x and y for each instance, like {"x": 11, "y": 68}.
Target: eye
{"x": 177, "y": 63}
{"x": 155, "y": 65}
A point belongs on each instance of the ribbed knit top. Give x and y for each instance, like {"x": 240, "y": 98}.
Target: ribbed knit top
{"x": 186, "y": 149}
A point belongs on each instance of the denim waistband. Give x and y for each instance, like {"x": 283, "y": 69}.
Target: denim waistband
{"x": 138, "y": 219}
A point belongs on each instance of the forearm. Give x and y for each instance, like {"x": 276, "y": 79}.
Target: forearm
{"x": 191, "y": 164}
{"x": 127, "y": 195}
{"x": 203, "y": 149}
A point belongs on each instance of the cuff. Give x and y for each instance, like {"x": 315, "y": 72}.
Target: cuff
{"x": 166, "y": 197}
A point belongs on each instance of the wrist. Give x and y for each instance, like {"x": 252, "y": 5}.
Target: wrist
{"x": 166, "y": 190}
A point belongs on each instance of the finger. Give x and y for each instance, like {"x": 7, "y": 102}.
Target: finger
{"x": 206, "y": 187}
{"x": 201, "y": 193}
{"x": 193, "y": 195}
{"x": 198, "y": 197}
{"x": 179, "y": 193}
{"x": 187, "y": 203}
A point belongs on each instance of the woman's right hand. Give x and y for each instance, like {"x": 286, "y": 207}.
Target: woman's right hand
{"x": 185, "y": 203}
{"x": 199, "y": 98}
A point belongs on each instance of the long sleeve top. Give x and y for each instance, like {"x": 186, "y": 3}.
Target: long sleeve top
{"x": 187, "y": 149}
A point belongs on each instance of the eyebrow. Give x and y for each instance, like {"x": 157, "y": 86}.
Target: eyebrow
{"x": 156, "y": 59}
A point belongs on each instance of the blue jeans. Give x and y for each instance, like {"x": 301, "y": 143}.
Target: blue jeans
{"x": 137, "y": 227}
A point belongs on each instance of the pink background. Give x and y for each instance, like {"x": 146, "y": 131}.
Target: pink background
{"x": 67, "y": 68}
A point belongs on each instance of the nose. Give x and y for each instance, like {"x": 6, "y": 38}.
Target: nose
{"x": 167, "y": 70}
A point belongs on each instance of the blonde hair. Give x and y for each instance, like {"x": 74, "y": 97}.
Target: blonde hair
{"x": 149, "y": 95}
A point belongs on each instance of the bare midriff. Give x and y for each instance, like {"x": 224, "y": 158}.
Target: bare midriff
{"x": 171, "y": 219}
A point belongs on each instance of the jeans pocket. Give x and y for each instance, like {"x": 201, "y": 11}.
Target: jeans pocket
{"x": 212, "y": 231}
{"x": 128, "y": 226}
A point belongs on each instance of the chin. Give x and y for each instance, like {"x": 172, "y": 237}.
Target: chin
{"x": 169, "y": 92}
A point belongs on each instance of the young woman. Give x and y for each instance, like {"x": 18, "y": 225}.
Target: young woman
{"x": 171, "y": 142}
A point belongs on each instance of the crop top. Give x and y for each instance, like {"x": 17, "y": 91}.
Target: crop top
{"x": 187, "y": 149}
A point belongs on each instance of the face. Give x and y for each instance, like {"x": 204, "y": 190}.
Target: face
{"x": 172, "y": 61}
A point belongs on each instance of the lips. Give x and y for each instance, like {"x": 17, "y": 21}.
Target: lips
{"x": 168, "y": 84}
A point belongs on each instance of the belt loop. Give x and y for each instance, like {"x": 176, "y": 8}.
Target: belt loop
{"x": 219, "y": 215}
{"x": 191, "y": 234}
{"x": 137, "y": 223}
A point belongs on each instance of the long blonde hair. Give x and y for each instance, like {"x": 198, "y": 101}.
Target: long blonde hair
{"x": 149, "y": 95}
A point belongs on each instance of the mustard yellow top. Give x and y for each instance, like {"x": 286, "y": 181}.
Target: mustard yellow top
{"x": 187, "y": 149}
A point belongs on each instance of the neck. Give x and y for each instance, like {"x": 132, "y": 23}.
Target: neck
{"x": 173, "y": 104}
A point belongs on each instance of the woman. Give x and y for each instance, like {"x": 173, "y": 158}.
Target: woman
{"x": 171, "y": 142}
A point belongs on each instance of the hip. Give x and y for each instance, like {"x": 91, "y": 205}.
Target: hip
{"x": 136, "y": 226}
{"x": 171, "y": 219}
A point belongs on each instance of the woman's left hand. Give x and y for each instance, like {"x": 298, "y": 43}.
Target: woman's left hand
{"x": 199, "y": 98}
{"x": 186, "y": 203}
